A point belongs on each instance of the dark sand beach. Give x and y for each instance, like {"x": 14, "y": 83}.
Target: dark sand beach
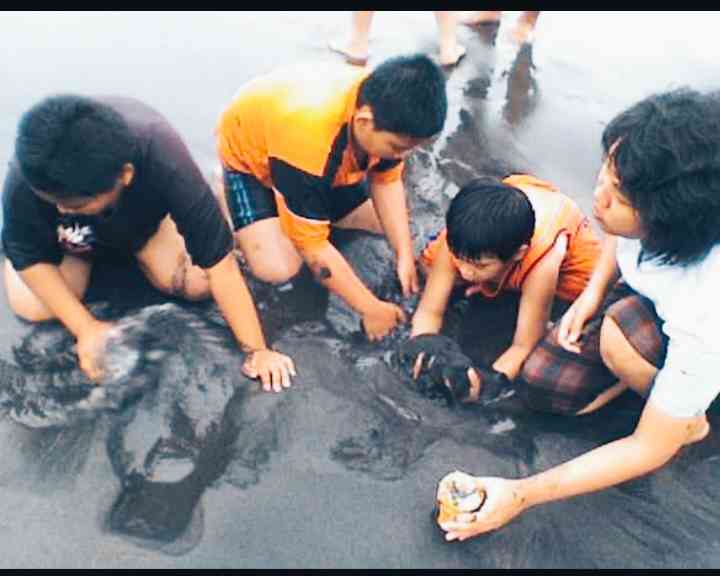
{"x": 339, "y": 471}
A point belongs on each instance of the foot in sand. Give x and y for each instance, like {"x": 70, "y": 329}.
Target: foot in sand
{"x": 700, "y": 429}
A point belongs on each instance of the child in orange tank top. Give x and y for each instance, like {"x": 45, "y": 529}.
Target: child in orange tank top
{"x": 519, "y": 234}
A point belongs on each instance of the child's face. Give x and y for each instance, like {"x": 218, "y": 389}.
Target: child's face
{"x": 487, "y": 268}
{"x": 611, "y": 208}
{"x": 381, "y": 143}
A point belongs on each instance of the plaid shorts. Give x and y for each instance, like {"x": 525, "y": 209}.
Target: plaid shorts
{"x": 556, "y": 380}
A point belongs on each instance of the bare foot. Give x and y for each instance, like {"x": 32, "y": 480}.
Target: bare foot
{"x": 476, "y": 18}
{"x": 475, "y": 385}
{"x": 699, "y": 430}
{"x": 524, "y": 30}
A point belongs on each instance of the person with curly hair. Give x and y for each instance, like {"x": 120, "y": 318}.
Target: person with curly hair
{"x": 654, "y": 331}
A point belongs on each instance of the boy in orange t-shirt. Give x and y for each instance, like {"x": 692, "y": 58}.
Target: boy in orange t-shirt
{"x": 315, "y": 146}
{"x": 520, "y": 234}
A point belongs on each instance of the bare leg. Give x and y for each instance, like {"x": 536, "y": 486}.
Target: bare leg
{"x": 168, "y": 267}
{"x": 621, "y": 358}
{"x": 602, "y": 399}
{"x": 479, "y": 17}
{"x": 357, "y": 50}
{"x": 450, "y": 51}
{"x": 700, "y": 429}
{"x": 263, "y": 245}
{"x": 271, "y": 255}
{"x": 633, "y": 371}
{"x": 525, "y": 27}
{"x": 23, "y": 302}
{"x": 625, "y": 362}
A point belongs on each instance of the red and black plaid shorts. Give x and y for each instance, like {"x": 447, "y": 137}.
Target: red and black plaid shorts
{"x": 556, "y": 380}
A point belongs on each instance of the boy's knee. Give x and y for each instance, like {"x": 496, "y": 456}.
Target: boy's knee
{"x": 273, "y": 267}
{"x": 22, "y": 302}
{"x": 189, "y": 282}
{"x": 268, "y": 252}
{"x": 29, "y": 312}
{"x": 275, "y": 272}
{"x": 184, "y": 281}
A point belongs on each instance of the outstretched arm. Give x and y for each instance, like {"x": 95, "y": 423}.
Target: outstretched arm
{"x": 655, "y": 441}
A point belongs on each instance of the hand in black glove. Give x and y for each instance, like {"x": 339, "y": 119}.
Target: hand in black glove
{"x": 436, "y": 365}
{"x": 453, "y": 376}
{"x": 418, "y": 354}
{"x": 440, "y": 369}
{"x": 450, "y": 375}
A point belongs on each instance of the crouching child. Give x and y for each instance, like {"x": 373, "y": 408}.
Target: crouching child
{"x": 519, "y": 234}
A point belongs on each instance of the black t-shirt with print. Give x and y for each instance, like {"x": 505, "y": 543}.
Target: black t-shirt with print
{"x": 166, "y": 181}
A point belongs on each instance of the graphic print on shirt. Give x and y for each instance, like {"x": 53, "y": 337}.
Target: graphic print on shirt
{"x": 76, "y": 234}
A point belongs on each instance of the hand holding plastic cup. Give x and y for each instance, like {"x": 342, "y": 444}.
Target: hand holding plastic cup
{"x": 457, "y": 493}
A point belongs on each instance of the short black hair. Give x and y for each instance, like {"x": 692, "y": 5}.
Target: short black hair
{"x": 667, "y": 160}
{"x": 69, "y": 145}
{"x": 407, "y": 96}
{"x": 489, "y": 217}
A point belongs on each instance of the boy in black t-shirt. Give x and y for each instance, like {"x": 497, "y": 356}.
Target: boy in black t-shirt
{"x": 111, "y": 173}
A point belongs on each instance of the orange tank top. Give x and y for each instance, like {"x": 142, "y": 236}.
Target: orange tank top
{"x": 555, "y": 214}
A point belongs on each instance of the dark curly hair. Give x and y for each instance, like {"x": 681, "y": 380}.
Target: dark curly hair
{"x": 667, "y": 159}
{"x": 69, "y": 145}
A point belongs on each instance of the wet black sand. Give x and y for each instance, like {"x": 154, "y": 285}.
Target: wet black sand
{"x": 340, "y": 471}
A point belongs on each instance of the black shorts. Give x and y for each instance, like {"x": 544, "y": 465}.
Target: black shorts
{"x": 249, "y": 201}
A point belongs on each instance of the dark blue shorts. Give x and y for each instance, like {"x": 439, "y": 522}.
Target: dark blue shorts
{"x": 247, "y": 199}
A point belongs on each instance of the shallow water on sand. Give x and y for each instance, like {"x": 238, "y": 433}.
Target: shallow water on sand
{"x": 340, "y": 471}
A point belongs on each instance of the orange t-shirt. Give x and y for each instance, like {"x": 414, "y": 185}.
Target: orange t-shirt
{"x": 555, "y": 214}
{"x": 290, "y": 129}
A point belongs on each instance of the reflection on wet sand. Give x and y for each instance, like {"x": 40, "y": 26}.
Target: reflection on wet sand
{"x": 194, "y": 423}
{"x": 339, "y": 469}
{"x": 522, "y": 88}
